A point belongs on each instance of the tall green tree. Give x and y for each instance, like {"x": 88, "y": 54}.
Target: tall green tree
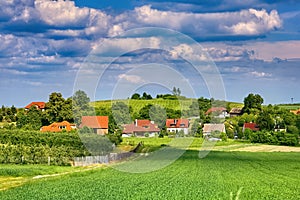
{"x": 121, "y": 113}
{"x": 158, "y": 115}
{"x": 81, "y": 106}
{"x": 252, "y": 103}
{"x": 58, "y": 109}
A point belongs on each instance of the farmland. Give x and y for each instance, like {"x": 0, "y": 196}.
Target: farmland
{"x": 220, "y": 175}
{"x": 137, "y": 105}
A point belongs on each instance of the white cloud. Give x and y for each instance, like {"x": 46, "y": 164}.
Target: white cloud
{"x": 260, "y": 74}
{"x": 131, "y": 78}
{"x": 246, "y": 22}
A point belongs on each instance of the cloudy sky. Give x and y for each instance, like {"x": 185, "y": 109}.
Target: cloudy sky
{"x": 60, "y": 46}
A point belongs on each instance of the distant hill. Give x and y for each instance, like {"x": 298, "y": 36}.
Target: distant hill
{"x": 136, "y": 105}
{"x": 182, "y": 104}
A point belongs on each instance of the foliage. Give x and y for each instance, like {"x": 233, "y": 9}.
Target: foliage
{"x": 30, "y": 120}
{"x": 81, "y": 106}
{"x": 34, "y": 147}
{"x": 277, "y": 138}
{"x": 121, "y": 113}
{"x": 252, "y": 103}
{"x": 58, "y": 109}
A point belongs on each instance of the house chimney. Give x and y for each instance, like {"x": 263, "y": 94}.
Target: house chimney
{"x": 135, "y": 122}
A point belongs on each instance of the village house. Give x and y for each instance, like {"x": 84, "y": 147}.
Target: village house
{"x": 219, "y": 112}
{"x": 39, "y": 105}
{"x": 141, "y": 128}
{"x": 209, "y": 128}
{"x": 252, "y": 126}
{"x": 58, "y": 127}
{"x": 98, "y": 123}
{"x": 176, "y": 125}
{"x": 234, "y": 112}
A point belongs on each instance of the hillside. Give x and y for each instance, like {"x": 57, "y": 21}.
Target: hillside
{"x": 136, "y": 105}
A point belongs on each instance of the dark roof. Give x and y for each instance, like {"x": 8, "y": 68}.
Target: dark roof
{"x": 235, "y": 111}
{"x": 94, "y": 122}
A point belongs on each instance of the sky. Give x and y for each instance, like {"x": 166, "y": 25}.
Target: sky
{"x": 223, "y": 49}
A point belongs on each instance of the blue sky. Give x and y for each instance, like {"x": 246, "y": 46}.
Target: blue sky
{"x": 48, "y": 46}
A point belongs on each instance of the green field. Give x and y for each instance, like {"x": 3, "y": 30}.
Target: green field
{"x": 290, "y": 106}
{"x": 138, "y": 104}
{"x": 220, "y": 175}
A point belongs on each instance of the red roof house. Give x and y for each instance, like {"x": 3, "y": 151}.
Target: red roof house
{"x": 140, "y": 128}
{"x": 176, "y": 125}
{"x": 215, "y": 109}
{"x": 58, "y": 127}
{"x": 98, "y": 123}
{"x": 38, "y": 105}
{"x": 251, "y": 126}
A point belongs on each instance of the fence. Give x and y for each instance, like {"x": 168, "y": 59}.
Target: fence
{"x": 105, "y": 159}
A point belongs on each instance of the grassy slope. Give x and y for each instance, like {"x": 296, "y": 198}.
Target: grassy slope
{"x": 220, "y": 175}
{"x": 138, "y": 104}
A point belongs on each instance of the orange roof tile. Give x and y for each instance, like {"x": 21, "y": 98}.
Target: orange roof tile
{"x": 58, "y": 127}
{"x": 177, "y": 123}
{"x": 39, "y": 105}
{"x": 94, "y": 122}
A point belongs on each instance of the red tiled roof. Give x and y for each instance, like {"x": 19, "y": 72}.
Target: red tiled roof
{"x": 177, "y": 123}
{"x": 94, "y": 122}
{"x": 142, "y": 122}
{"x": 39, "y": 105}
{"x": 252, "y": 126}
{"x": 132, "y": 128}
{"x": 57, "y": 127}
{"x": 215, "y": 109}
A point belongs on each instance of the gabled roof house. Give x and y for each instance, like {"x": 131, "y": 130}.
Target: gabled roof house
{"x": 176, "y": 125}
{"x": 209, "y": 128}
{"x": 220, "y": 111}
{"x": 98, "y": 123}
{"x": 141, "y": 128}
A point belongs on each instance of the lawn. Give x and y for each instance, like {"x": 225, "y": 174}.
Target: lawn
{"x": 220, "y": 175}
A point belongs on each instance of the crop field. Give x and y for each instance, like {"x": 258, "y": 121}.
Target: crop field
{"x": 138, "y": 104}
{"x": 220, "y": 175}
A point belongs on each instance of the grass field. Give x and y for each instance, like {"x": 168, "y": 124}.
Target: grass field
{"x": 220, "y": 175}
{"x": 138, "y": 104}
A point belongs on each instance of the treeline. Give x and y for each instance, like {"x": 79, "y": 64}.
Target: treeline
{"x": 34, "y": 147}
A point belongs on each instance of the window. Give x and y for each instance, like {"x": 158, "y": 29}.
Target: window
{"x": 62, "y": 127}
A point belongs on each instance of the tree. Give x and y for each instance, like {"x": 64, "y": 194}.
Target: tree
{"x": 136, "y": 96}
{"x": 252, "y": 103}
{"x": 265, "y": 121}
{"x": 32, "y": 119}
{"x": 121, "y": 113}
{"x": 81, "y": 106}
{"x": 144, "y": 112}
{"x": 58, "y": 109}
{"x": 176, "y": 91}
{"x": 158, "y": 115}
